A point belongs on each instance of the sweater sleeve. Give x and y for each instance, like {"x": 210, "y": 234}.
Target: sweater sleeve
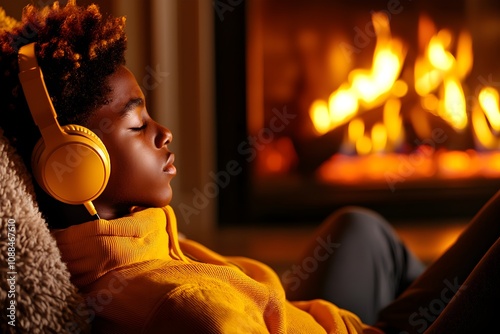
{"x": 335, "y": 319}
{"x": 198, "y": 309}
{"x": 218, "y": 310}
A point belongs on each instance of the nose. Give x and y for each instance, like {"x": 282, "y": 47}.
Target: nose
{"x": 163, "y": 137}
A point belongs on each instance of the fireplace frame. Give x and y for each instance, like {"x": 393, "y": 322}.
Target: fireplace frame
{"x": 302, "y": 200}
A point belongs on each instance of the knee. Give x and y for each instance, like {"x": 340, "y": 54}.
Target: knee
{"x": 359, "y": 221}
{"x": 356, "y": 216}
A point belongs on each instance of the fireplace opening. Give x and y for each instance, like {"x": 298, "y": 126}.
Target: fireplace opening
{"x": 392, "y": 105}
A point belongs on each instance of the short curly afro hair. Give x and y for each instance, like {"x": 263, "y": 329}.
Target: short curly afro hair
{"x": 77, "y": 49}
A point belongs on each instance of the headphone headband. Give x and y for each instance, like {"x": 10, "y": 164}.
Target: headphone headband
{"x": 38, "y": 98}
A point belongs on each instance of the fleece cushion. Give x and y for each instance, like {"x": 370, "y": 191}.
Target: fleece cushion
{"x": 35, "y": 290}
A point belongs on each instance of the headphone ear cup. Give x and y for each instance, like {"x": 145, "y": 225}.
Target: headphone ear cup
{"x": 75, "y": 170}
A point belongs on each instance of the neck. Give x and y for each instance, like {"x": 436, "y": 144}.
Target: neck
{"x": 109, "y": 212}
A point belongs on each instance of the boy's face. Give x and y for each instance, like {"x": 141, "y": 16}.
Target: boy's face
{"x": 141, "y": 164}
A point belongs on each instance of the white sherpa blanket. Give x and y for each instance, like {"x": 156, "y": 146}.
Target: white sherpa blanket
{"x": 35, "y": 291}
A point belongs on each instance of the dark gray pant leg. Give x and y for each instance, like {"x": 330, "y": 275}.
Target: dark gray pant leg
{"x": 361, "y": 264}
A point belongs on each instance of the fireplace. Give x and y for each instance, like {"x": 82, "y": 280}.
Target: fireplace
{"x": 391, "y": 105}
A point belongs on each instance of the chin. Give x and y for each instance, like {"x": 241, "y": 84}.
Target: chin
{"x": 159, "y": 200}
{"x": 164, "y": 202}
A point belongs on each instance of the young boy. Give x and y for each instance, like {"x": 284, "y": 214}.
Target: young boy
{"x": 135, "y": 273}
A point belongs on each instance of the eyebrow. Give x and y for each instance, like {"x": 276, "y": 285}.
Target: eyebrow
{"x": 131, "y": 104}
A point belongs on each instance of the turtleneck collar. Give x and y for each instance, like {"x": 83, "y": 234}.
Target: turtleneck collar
{"x": 95, "y": 248}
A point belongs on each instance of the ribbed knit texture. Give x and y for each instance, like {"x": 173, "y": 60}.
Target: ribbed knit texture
{"x": 139, "y": 278}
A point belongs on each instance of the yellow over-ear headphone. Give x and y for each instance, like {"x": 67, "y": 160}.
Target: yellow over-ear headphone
{"x": 70, "y": 163}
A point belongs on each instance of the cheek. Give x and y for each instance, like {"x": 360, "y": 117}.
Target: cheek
{"x": 134, "y": 166}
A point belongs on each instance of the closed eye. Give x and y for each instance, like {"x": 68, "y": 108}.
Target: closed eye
{"x": 140, "y": 128}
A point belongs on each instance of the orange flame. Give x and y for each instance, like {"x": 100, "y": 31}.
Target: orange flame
{"x": 366, "y": 88}
{"x": 440, "y": 69}
{"x": 486, "y": 118}
{"x": 438, "y": 76}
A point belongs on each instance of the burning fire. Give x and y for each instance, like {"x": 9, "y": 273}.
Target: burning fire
{"x": 439, "y": 74}
{"x": 365, "y": 89}
{"x": 488, "y": 102}
{"x": 438, "y": 77}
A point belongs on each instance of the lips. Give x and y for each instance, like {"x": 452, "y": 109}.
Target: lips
{"x": 169, "y": 166}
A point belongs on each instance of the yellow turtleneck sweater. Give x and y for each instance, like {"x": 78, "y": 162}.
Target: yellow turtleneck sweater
{"x": 136, "y": 278}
